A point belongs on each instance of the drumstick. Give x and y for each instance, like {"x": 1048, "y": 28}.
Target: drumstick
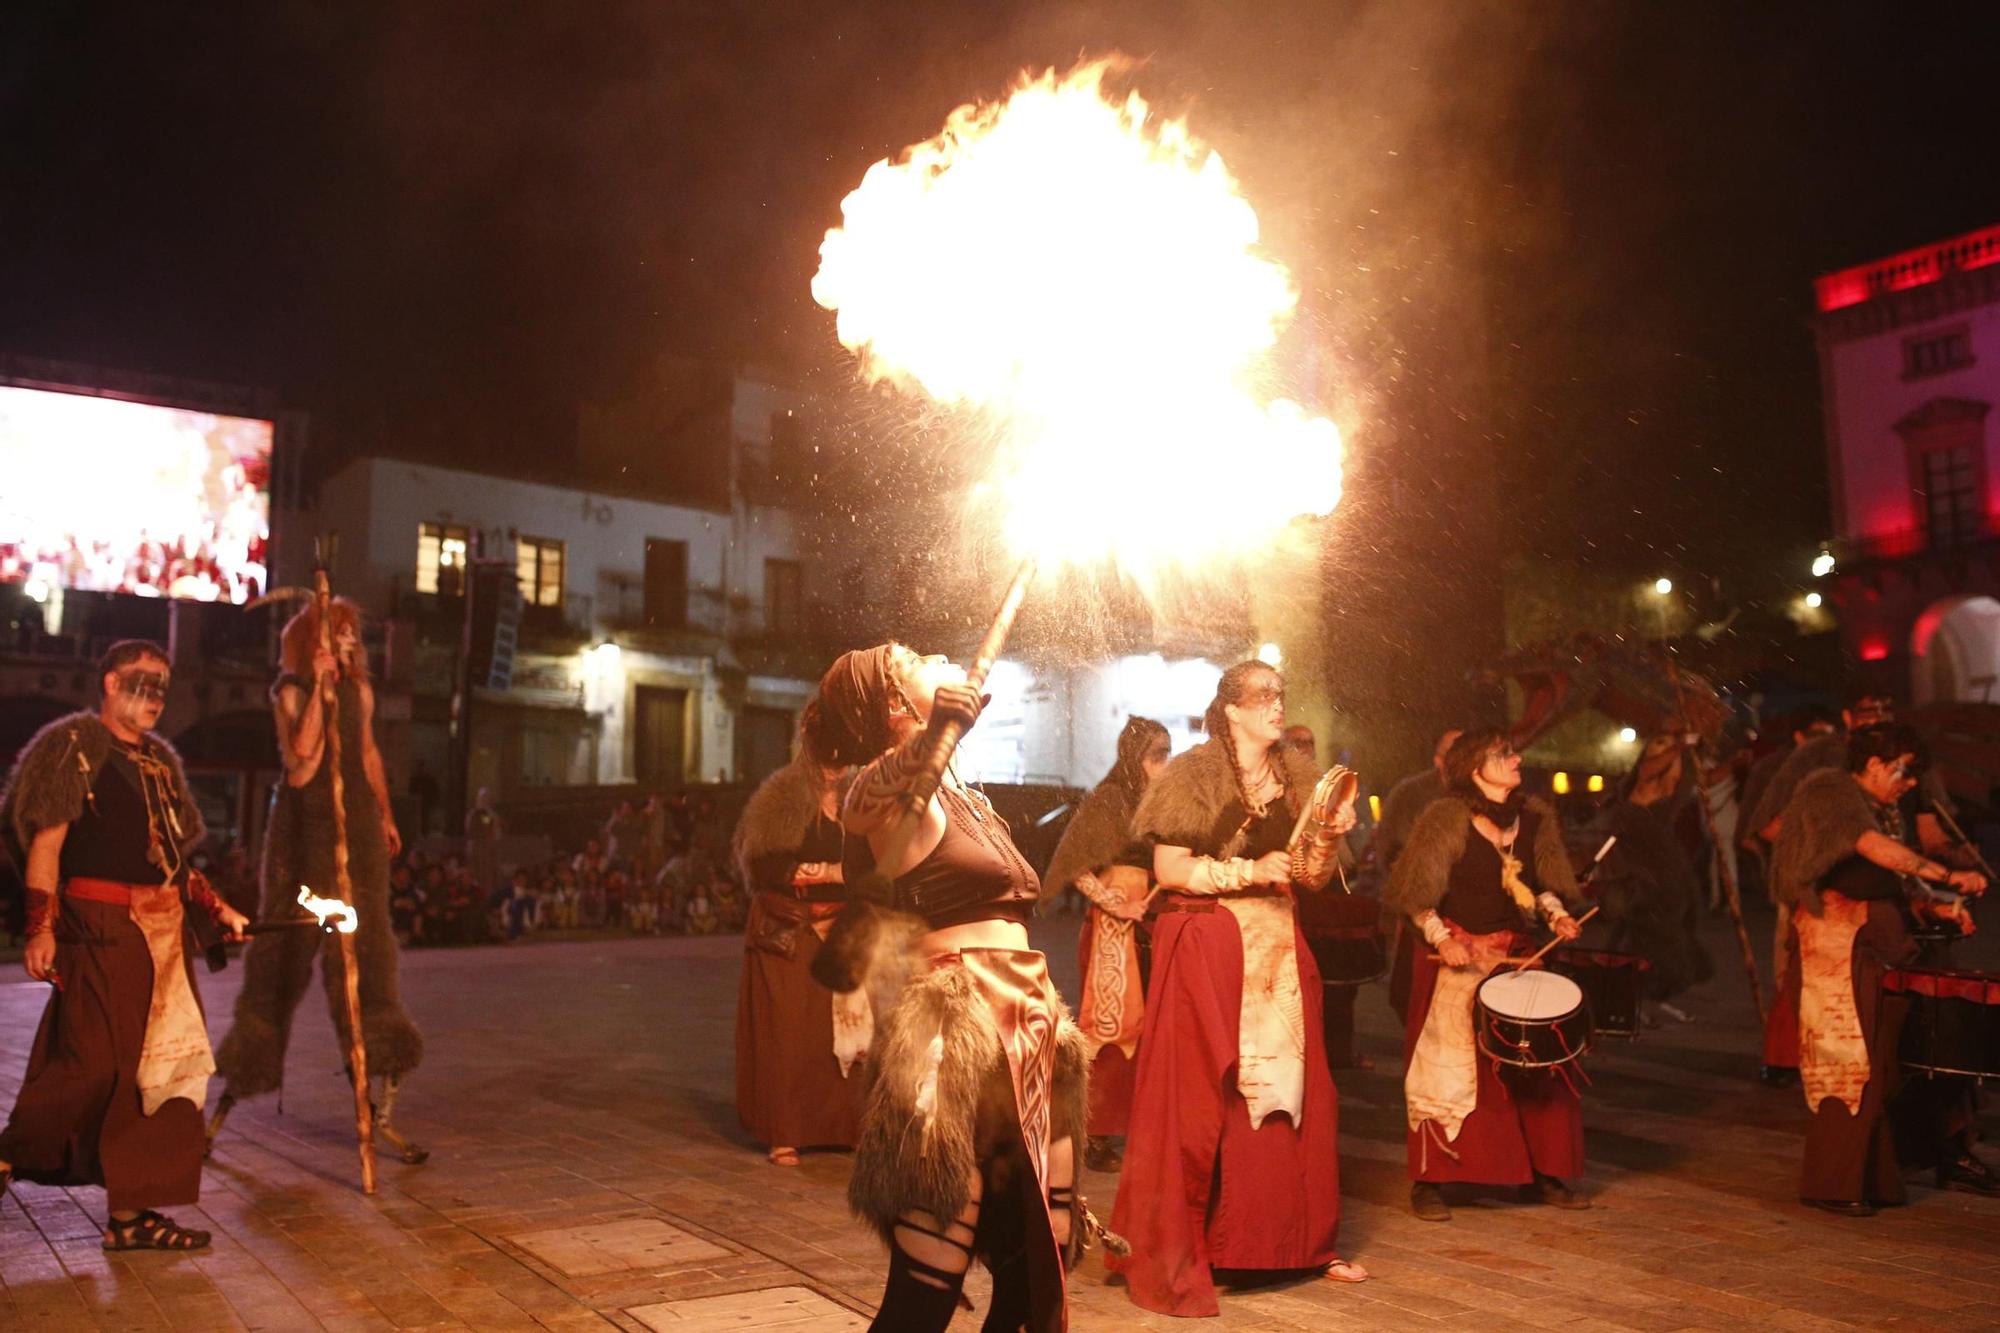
{"x": 1554, "y": 942}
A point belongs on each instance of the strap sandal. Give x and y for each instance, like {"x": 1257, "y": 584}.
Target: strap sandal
{"x": 782, "y": 1157}
{"x": 1341, "y": 1270}
{"x": 151, "y": 1231}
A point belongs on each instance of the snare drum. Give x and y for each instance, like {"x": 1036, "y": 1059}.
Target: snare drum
{"x": 1953, "y": 1024}
{"x": 1611, "y": 982}
{"x": 1533, "y": 1019}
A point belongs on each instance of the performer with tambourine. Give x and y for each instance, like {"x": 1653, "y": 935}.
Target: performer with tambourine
{"x": 1482, "y": 865}
{"x": 1232, "y": 1160}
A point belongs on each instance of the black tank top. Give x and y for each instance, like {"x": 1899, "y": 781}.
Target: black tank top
{"x": 1474, "y": 899}
{"x": 112, "y": 839}
{"x": 975, "y": 873}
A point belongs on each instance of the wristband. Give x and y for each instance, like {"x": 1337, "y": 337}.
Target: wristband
{"x": 1552, "y": 906}
{"x": 1436, "y": 932}
{"x": 41, "y": 912}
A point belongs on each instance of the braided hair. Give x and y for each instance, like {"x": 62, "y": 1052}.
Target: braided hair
{"x": 1138, "y": 736}
{"x": 1234, "y": 688}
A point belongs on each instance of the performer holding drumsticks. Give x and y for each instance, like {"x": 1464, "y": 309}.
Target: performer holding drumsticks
{"x": 1843, "y": 867}
{"x": 1483, "y": 862}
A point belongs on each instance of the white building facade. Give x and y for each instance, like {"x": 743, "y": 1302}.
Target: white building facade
{"x": 1909, "y": 350}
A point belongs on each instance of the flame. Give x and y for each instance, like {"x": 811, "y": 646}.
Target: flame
{"x": 326, "y": 907}
{"x": 1088, "y": 276}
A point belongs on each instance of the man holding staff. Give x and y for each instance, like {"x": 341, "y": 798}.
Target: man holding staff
{"x": 98, "y": 816}
{"x": 322, "y": 674}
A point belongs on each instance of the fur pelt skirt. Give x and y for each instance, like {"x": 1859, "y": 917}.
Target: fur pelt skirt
{"x": 277, "y": 968}
{"x": 975, "y": 1070}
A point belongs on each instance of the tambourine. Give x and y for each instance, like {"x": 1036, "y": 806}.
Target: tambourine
{"x": 1336, "y": 789}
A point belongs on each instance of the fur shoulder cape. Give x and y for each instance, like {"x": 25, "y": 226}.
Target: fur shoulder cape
{"x": 1184, "y": 806}
{"x": 52, "y": 778}
{"x": 775, "y": 819}
{"x": 1826, "y": 817}
{"x": 1821, "y": 752}
{"x": 1423, "y": 871}
{"x": 1098, "y": 831}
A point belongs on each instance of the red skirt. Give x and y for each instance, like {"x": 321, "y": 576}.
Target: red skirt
{"x": 1781, "y": 1027}
{"x": 1201, "y": 1188}
{"x": 1525, "y": 1121}
{"x": 789, "y": 1089}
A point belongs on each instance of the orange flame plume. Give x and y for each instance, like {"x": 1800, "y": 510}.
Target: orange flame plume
{"x": 1088, "y": 277}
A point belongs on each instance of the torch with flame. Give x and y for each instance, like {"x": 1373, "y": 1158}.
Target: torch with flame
{"x": 1086, "y": 278}
{"x": 342, "y": 916}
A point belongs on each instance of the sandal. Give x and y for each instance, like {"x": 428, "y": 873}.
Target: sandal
{"x": 151, "y": 1231}
{"x": 782, "y": 1157}
{"x": 1340, "y": 1270}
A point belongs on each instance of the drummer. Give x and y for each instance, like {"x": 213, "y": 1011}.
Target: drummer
{"x": 1844, "y": 868}
{"x": 1483, "y": 862}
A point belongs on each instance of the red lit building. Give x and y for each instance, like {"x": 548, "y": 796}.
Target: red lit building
{"x": 1909, "y": 350}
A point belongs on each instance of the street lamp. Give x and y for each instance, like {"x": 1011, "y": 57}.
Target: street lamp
{"x": 1627, "y": 735}
{"x": 1663, "y": 586}
{"x": 1269, "y": 655}
{"x": 1813, "y": 600}
{"x": 1822, "y": 564}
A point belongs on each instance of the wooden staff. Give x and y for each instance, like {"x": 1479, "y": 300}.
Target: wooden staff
{"x": 357, "y": 1050}
{"x": 1722, "y": 867}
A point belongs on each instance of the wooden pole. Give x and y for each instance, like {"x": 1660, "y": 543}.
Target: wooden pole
{"x": 357, "y": 1049}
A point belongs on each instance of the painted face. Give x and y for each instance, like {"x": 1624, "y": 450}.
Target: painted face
{"x": 135, "y": 695}
{"x": 1261, "y": 715}
{"x": 919, "y": 677}
{"x": 1154, "y": 761}
{"x": 1501, "y": 767}
{"x": 346, "y": 642}
{"x": 1886, "y": 782}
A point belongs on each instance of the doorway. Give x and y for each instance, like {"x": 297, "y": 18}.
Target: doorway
{"x": 659, "y": 748}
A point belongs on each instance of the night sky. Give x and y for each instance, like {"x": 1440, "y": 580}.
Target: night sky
{"x": 1584, "y": 234}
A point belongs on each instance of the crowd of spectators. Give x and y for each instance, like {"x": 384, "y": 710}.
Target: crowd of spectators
{"x": 644, "y": 873}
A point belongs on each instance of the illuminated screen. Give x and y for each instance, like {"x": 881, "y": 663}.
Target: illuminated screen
{"x": 107, "y": 496}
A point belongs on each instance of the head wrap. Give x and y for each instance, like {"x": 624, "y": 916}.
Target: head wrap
{"x": 849, "y": 722}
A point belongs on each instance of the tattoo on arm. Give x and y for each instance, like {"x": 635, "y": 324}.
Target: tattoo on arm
{"x": 876, "y": 799}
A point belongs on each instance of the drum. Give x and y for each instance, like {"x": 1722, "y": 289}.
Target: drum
{"x": 1610, "y": 981}
{"x": 1532, "y": 1019}
{"x": 1953, "y": 1024}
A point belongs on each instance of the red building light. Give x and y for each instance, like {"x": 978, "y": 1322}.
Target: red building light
{"x": 1912, "y": 268}
{"x": 1874, "y": 648}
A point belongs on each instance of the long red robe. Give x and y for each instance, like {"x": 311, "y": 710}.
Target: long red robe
{"x": 1201, "y": 1188}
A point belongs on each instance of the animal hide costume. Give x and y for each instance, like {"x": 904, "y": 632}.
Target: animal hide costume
{"x": 1232, "y": 1157}
{"x": 1468, "y": 1119}
{"x": 298, "y": 850}
{"x": 120, "y": 1063}
{"x": 1849, "y": 928}
{"x": 1100, "y": 857}
{"x": 796, "y": 1042}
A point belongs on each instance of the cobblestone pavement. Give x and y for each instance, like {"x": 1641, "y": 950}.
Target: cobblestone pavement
{"x": 588, "y": 1172}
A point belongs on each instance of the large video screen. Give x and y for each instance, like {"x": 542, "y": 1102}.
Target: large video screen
{"x": 101, "y": 495}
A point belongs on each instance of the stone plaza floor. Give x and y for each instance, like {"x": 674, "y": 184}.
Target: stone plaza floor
{"x": 588, "y": 1172}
